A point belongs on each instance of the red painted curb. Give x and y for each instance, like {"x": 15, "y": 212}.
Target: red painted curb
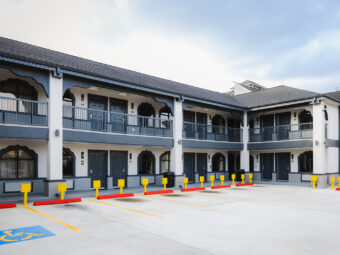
{"x": 221, "y": 187}
{"x": 10, "y": 205}
{"x": 54, "y": 202}
{"x": 115, "y": 196}
{"x": 159, "y": 192}
{"x": 244, "y": 184}
{"x": 337, "y": 189}
{"x": 193, "y": 189}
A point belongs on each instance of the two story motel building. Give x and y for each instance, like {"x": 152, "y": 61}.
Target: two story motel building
{"x": 69, "y": 119}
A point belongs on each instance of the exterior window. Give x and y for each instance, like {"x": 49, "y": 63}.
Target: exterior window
{"x": 306, "y": 162}
{"x": 164, "y": 115}
{"x": 146, "y": 110}
{"x": 17, "y": 162}
{"x": 68, "y": 163}
{"x": 218, "y": 162}
{"x": 306, "y": 120}
{"x": 165, "y": 162}
{"x": 146, "y": 163}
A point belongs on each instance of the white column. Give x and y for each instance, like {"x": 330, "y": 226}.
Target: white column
{"x": 319, "y": 148}
{"x": 245, "y": 153}
{"x": 55, "y": 124}
{"x": 176, "y": 163}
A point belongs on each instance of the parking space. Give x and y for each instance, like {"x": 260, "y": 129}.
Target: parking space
{"x": 261, "y": 219}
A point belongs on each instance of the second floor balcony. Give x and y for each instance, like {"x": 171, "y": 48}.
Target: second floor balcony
{"x": 280, "y": 133}
{"x": 23, "y": 112}
{"x": 113, "y": 122}
{"x": 210, "y": 132}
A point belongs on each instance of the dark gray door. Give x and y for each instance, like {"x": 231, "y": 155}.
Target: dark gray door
{"x": 267, "y": 166}
{"x": 201, "y": 119}
{"x": 189, "y": 126}
{"x": 118, "y": 118}
{"x": 202, "y": 164}
{"x": 118, "y": 165}
{"x": 282, "y": 162}
{"x": 267, "y": 124}
{"x": 189, "y": 166}
{"x": 97, "y": 116}
{"x": 283, "y": 125}
{"x": 97, "y": 166}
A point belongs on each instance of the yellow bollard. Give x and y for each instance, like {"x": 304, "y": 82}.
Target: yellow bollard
{"x": 250, "y": 178}
{"x": 222, "y": 179}
{"x": 212, "y": 178}
{"x": 145, "y": 183}
{"x": 25, "y": 188}
{"x": 185, "y": 181}
{"x": 164, "y": 182}
{"x": 201, "y": 181}
{"x": 97, "y": 185}
{"x": 332, "y": 182}
{"x": 62, "y": 189}
{"x": 314, "y": 179}
{"x": 339, "y": 182}
{"x": 121, "y": 185}
{"x": 233, "y": 179}
{"x": 242, "y": 178}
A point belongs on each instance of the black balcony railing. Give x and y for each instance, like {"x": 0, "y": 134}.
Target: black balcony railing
{"x": 279, "y": 133}
{"x": 23, "y": 112}
{"x": 211, "y": 132}
{"x": 105, "y": 121}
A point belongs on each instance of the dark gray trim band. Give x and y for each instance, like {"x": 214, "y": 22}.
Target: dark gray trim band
{"x": 198, "y": 144}
{"x": 332, "y": 143}
{"x": 281, "y": 145}
{"x": 121, "y": 139}
{"x": 24, "y": 132}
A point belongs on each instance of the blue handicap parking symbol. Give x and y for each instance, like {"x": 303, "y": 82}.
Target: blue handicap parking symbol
{"x": 23, "y": 234}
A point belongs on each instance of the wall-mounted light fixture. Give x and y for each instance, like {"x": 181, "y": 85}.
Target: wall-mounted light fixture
{"x": 209, "y": 157}
{"x": 292, "y": 157}
{"x": 132, "y": 106}
{"x": 130, "y": 156}
{"x": 257, "y": 157}
{"x": 294, "y": 115}
{"x": 82, "y": 155}
{"x": 57, "y": 132}
{"x": 82, "y": 97}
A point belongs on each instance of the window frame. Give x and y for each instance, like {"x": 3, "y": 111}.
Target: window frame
{"x": 74, "y": 163}
{"x": 140, "y": 164}
{"x": 160, "y": 162}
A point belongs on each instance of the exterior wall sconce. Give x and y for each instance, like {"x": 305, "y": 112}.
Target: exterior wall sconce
{"x": 57, "y": 133}
{"x": 132, "y": 106}
{"x": 257, "y": 158}
{"x": 209, "y": 157}
{"x": 82, "y": 155}
{"x": 130, "y": 156}
{"x": 82, "y": 97}
{"x": 292, "y": 157}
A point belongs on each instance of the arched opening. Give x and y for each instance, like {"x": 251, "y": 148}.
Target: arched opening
{"x": 218, "y": 123}
{"x": 146, "y": 163}
{"x": 18, "y": 89}
{"x": 68, "y": 163}
{"x": 18, "y": 162}
{"x": 164, "y": 115}
{"x": 147, "y": 112}
{"x": 164, "y": 160}
{"x": 306, "y": 120}
{"x": 218, "y": 162}
{"x": 306, "y": 162}
{"x": 68, "y": 101}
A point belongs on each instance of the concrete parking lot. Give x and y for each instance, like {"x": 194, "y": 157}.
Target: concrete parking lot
{"x": 259, "y": 219}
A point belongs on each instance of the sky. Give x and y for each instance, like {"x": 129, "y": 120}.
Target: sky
{"x": 205, "y": 43}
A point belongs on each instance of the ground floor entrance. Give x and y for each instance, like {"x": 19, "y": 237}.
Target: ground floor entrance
{"x": 118, "y": 166}
{"x": 97, "y": 166}
{"x": 282, "y": 162}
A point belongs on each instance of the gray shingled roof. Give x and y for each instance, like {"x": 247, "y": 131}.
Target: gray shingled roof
{"x": 27, "y": 52}
{"x": 333, "y": 95}
{"x": 275, "y": 95}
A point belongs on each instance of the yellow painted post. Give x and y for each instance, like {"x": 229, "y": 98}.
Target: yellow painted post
{"x": 222, "y": 179}
{"x": 164, "y": 182}
{"x": 242, "y": 178}
{"x": 339, "y": 182}
{"x": 250, "y": 178}
{"x": 145, "y": 183}
{"x": 97, "y": 185}
{"x": 233, "y": 179}
{"x": 62, "y": 189}
{"x": 332, "y": 182}
{"x": 212, "y": 178}
{"x": 314, "y": 179}
{"x": 201, "y": 181}
{"x": 25, "y": 188}
{"x": 121, "y": 185}
{"x": 185, "y": 181}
